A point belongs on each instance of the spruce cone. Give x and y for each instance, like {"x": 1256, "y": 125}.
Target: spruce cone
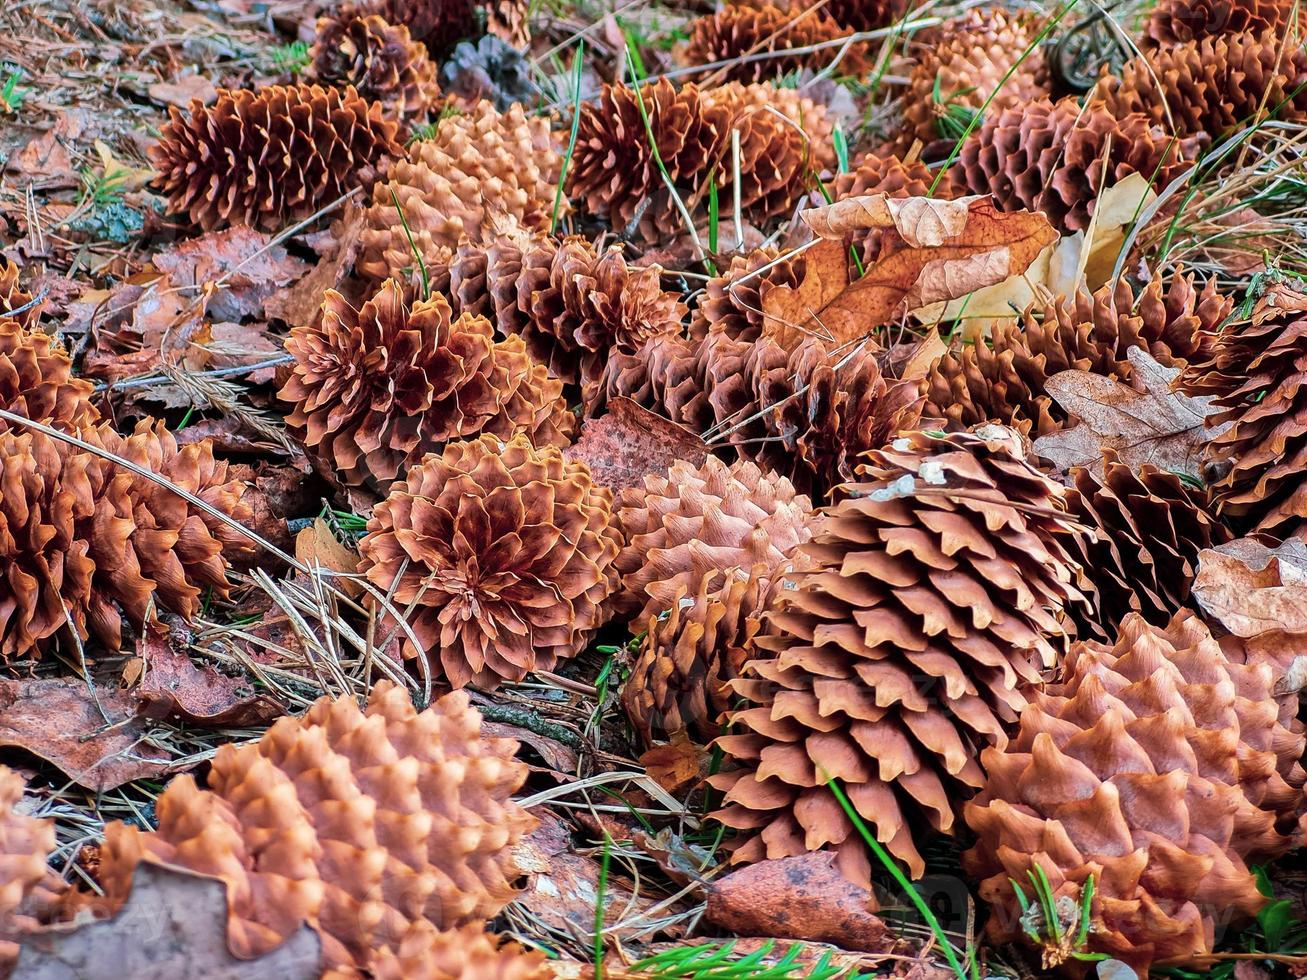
{"x": 380, "y": 60}
{"x": 480, "y": 174}
{"x": 1157, "y": 767}
{"x": 1003, "y": 381}
{"x": 736, "y": 31}
{"x": 26, "y": 843}
{"x": 362, "y": 823}
{"x": 377, "y": 388}
{"x": 424, "y": 952}
{"x": 1176, "y": 22}
{"x": 12, "y": 296}
{"x": 1214, "y": 84}
{"x": 692, "y": 522}
{"x": 506, "y": 553}
{"x": 440, "y": 24}
{"x": 935, "y": 593}
{"x": 36, "y": 380}
{"x": 270, "y": 157}
{"x": 1048, "y": 156}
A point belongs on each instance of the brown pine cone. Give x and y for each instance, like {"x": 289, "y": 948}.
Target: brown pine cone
{"x": 424, "y": 952}
{"x": 734, "y": 32}
{"x": 1176, "y": 22}
{"x": 1003, "y": 380}
{"x": 377, "y": 388}
{"x": 380, "y": 60}
{"x": 440, "y": 24}
{"x": 12, "y": 296}
{"x": 662, "y": 376}
{"x": 1159, "y": 768}
{"x": 1049, "y": 156}
{"x": 856, "y": 15}
{"x": 1213, "y": 85}
{"x": 935, "y": 593}
{"x": 36, "y": 380}
{"x": 363, "y": 823}
{"x": 506, "y": 554}
{"x": 26, "y": 844}
{"x": 507, "y": 20}
{"x": 482, "y": 174}
{"x": 270, "y": 157}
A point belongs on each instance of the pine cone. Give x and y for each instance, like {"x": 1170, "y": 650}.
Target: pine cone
{"x": 506, "y": 553}
{"x": 680, "y": 527}
{"x": 492, "y": 70}
{"x": 360, "y": 822}
{"x": 12, "y": 296}
{"x": 1003, "y": 381}
{"x": 424, "y": 952}
{"x": 377, "y": 388}
{"x": 36, "y": 380}
{"x": 480, "y": 174}
{"x": 936, "y": 591}
{"x": 26, "y": 844}
{"x": 856, "y": 15}
{"x": 270, "y": 157}
{"x": 1176, "y": 22}
{"x": 440, "y": 24}
{"x": 737, "y": 31}
{"x": 1214, "y": 84}
{"x": 662, "y": 376}
{"x": 380, "y": 60}
{"x": 507, "y": 20}
{"x": 1149, "y": 528}
{"x": 1048, "y": 156}
{"x": 1157, "y": 767}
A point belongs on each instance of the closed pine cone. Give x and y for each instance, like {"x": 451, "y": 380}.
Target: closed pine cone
{"x": 506, "y": 553}
{"x": 424, "y": 952}
{"x": 932, "y": 596}
{"x": 1002, "y": 380}
{"x": 363, "y": 823}
{"x": 380, "y": 60}
{"x": 1175, "y": 22}
{"x": 734, "y": 32}
{"x": 1159, "y": 768}
{"x": 36, "y": 380}
{"x": 377, "y": 388}
{"x": 270, "y": 157}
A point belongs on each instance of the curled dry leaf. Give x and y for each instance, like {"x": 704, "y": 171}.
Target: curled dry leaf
{"x": 630, "y": 442}
{"x": 318, "y": 547}
{"x": 251, "y": 268}
{"x": 1250, "y": 588}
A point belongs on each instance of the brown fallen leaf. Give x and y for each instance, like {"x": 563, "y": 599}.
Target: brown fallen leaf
{"x": 804, "y": 897}
{"x": 1250, "y": 588}
{"x": 678, "y": 765}
{"x": 1145, "y": 422}
{"x": 183, "y": 89}
{"x": 299, "y": 305}
{"x": 174, "y": 924}
{"x": 630, "y": 442}
{"x": 558, "y": 757}
{"x": 318, "y": 547}
{"x": 251, "y": 267}
{"x": 47, "y": 161}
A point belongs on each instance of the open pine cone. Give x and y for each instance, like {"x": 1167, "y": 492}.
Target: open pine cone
{"x": 26, "y": 844}
{"x": 361, "y": 822}
{"x": 856, "y": 15}
{"x": 440, "y": 24}
{"x": 736, "y": 31}
{"x": 506, "y": 553}
{"x": 380, "y": 60}
{"x": 1176, "y": 22}
{"x": 270, "y": 157}
{"x": 932, "y": 596}
{"x": 377, "y": 388}
{"x": 13, "y": 297}
{"x": 36, "y": 380}
{"x": 1159, "y": 768}
{"x": 424, "y": 952}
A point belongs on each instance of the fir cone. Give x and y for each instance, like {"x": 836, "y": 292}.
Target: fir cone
{"x": 379, "y": 60}
{"x": 693, "y": 521}
{"x": 1049, "y": 156}
{"x": 734, "y": 32}
{"x": 482, "y": 173}
{"x": 933, "y": 595}
{"x": 270, "y": 157}
{"x": 424, "y": 952}
{"x": 1003, "y": 380}
{"x": 36, "y": 380}
{"x": 1176, "y": 22}
{"x": 12, "y": 296}
{"x": 26, "y": 844}
{"x": 506, "y": 553}
{"x": 1159, "y": 768}
{"x": 377, "y": 388}
{"x": 1213, "y": 85}
{"x": 364, "y": 823}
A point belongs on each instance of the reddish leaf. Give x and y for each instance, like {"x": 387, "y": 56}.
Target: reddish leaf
{"x": 254, "y": 270}
{"x": 630, "y": 442}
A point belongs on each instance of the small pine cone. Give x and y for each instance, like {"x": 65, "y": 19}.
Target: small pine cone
{"x": 1148, "y": 527}
{"x": 424, "y": 952}
{"x": 12, "y": 296}
{"x": 507, "y": 20}
{"x": 380, "y": 60}
{"x": 1003, "y": 380}
{"x": 506, "y": 553}
{"x": 440, "y": 24}
{"x": 964, "y": 62}
{"x": 926, "y": 604}
{"x": 1214, "y": 84}
{"x": 270, "y": 157}
{"x": 481, "y": 174}
{"x": 734, "y": 32}
{"x": 1176, "y": 22}
{"x": 362, "y": 823}
{"x": 26, "y": 844}
{"x": 1049, "y": 156}
{"x": 377, "y": 388}
{"x": 1157, "y": 767}
{"x": 694, "y": 521}
{"x": 36, "y": 380}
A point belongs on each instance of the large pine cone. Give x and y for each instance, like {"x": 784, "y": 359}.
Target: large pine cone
{"x": 380, "y": 60}
{"x": 36, "y": 380}
{"x": 424, "y": 952}
{"x": 935, "y": 593}
{"x": 1049, "y": 156}
{"x": 1213, "y": 85}
{"x": 481, "y": 174}
{"x": 1157, "y": 767}
{"x": 1003, "y": 380}
{"x": 1176, "y": 22}
{"x": 736, "y": 31}
{"x": 506, "y": 553}
{"x": 26, "y": 844}
{"x": 270, "y": 157}
{"x": 360, "y": 822}
{"x": 377, "y": 388}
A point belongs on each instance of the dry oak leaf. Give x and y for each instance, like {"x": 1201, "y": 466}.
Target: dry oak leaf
{"x": 629, "y": 442}
{"x": 1251, "y": 589}
{"x": 1144, "y": 421}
